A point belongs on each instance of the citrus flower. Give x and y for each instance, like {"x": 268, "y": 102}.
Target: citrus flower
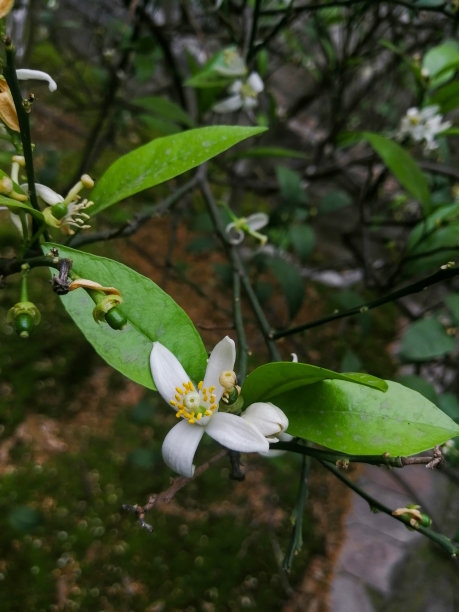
{"x": 197, "y": 407}
{"x": 237, "y": 229}
{"x": 65, "y": 213}
{"x": 244, "y": 95}
{"x": 423, "y": 126}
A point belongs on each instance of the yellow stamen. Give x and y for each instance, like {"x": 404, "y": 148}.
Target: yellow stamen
{"x": 200, "y": 385}
{"x": 174, "y": 403}
{"x": 179, "y": 390}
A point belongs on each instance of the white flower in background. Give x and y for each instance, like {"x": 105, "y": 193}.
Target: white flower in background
{"x": 197, "y": 408}
{"x": 237, "y": 229}
{"x": 423, "y": 126}
{"x": 232, "y": 65}
{"x": 25, "y": 74}
{"x": 244, "y": 95}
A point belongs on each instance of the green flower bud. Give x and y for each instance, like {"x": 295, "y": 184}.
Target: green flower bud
{"x": 25, "y": 316}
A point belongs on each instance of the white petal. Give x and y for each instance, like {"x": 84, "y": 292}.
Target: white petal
{"x": 266, "y": 417}
{"x": 235, "y": 235}
{"x": 38, "y": 75}
{"x": 228, "y": 105}
{"x": 257, "y": 220}
{"x": 255, "y": 82}
{"x": 221, "y": 358}
{"x": 167, "y": 371}
{"x": 235, "y": 87}
{"x": 47, "y": 194}
{"x": 179, "y": 447}
{"x": 249, "y": 103}
{"x": 236, "y": 434}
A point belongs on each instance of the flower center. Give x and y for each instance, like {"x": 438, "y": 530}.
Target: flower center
{"x": 194, "y": 405}
{"x": 247, "y": 91}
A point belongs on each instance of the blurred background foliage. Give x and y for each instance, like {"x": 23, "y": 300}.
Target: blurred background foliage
{"x": 77, "y": 440}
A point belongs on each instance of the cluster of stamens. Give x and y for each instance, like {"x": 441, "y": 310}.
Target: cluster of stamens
{"x": 75, "y": 216}
{"x": 189, "y": 403}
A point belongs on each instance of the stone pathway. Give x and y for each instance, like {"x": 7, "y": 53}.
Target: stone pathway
{"x": 377, "y": 549}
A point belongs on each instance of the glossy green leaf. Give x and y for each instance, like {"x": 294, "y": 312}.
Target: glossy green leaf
{"x": 270, "y": 152}
{"x": 269, "y": 381}
{"x": 402, "y": 165}
{"x": 424, "y": 340}
{"x": 16, "y": 206}
{"x": 151, "y": 314}
{"x": 440, "y": 61}
{"x": 163, "y": 159}
{"x": 363, "y": 421}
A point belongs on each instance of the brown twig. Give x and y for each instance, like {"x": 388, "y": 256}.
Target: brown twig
{"x": 166, "y": 496}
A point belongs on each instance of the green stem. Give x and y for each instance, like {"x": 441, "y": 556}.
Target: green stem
{"x": 238, "y": 266}
{"x": 253, "y": 30}
{"x": 24, "y": 292}
{"x": 394, "y": 462}
{"x": 296, "y": 541}
{"x": 239, "y": 323}
{"x": 440, "y": 539}
{"x": 442, "y": 275}
{"x": 23, "y": 118}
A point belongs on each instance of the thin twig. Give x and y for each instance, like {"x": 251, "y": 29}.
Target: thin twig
{"x": 442, "y": 275}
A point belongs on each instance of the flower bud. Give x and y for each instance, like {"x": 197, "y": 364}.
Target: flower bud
{"x": 25, "y": 316}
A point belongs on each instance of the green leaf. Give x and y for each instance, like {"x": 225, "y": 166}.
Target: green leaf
{"x": 433, "y": 241}
{"x": 166, "y": 109}
{"x": 429, "y": 3}
{"x": 450, "y": 405}
{"x": 151, "y": 314}
{"x": 270, "y": 152}
{"x": 439, "y": 62}
{"x": 290, "y": 280}
{"x": 447, "y": 97}
{"x": 359, "y": 420}
{"x": 163, "y": 159}
{"x": 452, "y": 302}
{"x": 333, "y": 201}
{"x": 425, "y": 340}
{"x": 402, "y": 165}
{"x": 290, "y": 185}
{"x": 303, "y": 239}
{"x": 15, "y": 205}
{"x": 269, "y": 381}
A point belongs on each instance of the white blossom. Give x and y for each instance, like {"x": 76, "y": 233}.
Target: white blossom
{"x": 243, "y": 94}
{"x": 197, "y": 407}
{"x": 236, "y": 230}
{"x": 423, "y": 126}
